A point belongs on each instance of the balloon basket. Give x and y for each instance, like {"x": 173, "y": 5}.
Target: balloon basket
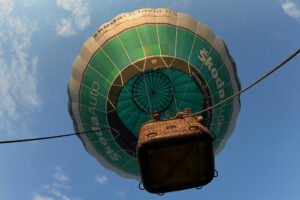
{"x": 174, "y": 155}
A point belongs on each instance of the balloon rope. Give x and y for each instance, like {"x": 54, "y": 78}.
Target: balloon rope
{"x": 146, "y": 87}
{"x": 170, "y": 77}
{"x": 47, "y": 138}
{"x": 187, "y": 85}
{"x": 251, "y": 85}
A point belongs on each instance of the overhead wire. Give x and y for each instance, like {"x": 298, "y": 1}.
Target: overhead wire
{"x": 193, "y": 114}
{"x": 47, "y": 138}
{"x": 251, "y": 85}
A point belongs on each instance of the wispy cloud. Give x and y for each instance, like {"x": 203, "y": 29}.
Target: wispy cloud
{"x": 57, "y": 193}
{"x": 101, "y": 179}
{"x": 64, "y": 27}
{"x": 178, "y": 6}
{"x": 59, "y": 175}
{"x": 18, "y": 77}
{"x": 6, "y": 6}
{"x": 30, "y": 3}
{"x": 79, "y": 11}
{"x": 36, "y": 196}
{"x": 62, "y": 186}
{"x": 123, "y": 195}
{"x": 58, "y": 189}
{"x": 291, "y": 9}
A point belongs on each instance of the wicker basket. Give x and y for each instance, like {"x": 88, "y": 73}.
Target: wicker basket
{"x": 175, "y": 154}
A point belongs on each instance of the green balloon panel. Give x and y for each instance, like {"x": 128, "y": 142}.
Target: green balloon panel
{"x": 131, "y": 46}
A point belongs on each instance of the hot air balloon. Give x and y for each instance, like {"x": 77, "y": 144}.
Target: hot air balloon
{"x": 145, "y": 61}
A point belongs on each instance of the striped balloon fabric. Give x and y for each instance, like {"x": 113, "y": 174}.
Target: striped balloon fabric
{"x": 145, "y": 61}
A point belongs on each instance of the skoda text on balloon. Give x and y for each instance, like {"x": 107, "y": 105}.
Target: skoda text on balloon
{"x": 95, "y": 122}
{"x": 203, "y": 56}
{"x": 112, "y": 154}
{"x": 93, "y": 95}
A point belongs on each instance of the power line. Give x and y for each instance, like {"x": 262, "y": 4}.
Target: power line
{"x": 251, "y": 85}
{"x": 209, "y": 108}
{"x": 46, "y": 138}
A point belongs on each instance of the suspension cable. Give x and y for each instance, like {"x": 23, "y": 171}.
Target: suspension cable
{"x": 47, "y": 138}
{"x": 251, "y": 85}
{"x": 193, "y": 114}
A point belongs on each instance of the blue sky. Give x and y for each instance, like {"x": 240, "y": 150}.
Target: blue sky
{"x": 38, "y": 44}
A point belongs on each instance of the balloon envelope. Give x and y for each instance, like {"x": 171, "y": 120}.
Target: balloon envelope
{"x": 144, "y": 61}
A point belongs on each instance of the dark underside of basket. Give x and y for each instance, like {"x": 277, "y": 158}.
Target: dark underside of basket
{"x": 171, "y": 162}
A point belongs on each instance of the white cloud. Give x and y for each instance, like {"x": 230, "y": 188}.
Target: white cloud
{"x": 18, "y": 77}
{"x": 59, "y": 194}
{"x": 30, "y": 3}
{"x": 123, "y": 195}
{"x": 64, "y": 27}
{"x": 58, "y": 175}
{"x": 58, "y": 189}
{"x": 101, "y": 179}
{"x": 79, "y": 11}
{"x": 178, "y": 6}
{"x": 6, "y": 6}
{"x": 62, "y": 186}
{"x": 54, "y": 188}
{"x": 36, "y": 196}
{"x": 291, "y": 10}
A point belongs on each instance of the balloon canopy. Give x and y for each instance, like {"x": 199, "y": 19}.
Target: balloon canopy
{"x": 144, "y": 61}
